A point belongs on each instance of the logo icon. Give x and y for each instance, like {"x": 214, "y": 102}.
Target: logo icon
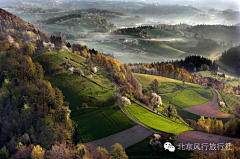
{"x": 168, "y": 146}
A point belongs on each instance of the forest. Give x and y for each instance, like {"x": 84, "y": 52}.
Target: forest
{"x": 231, "y": 59}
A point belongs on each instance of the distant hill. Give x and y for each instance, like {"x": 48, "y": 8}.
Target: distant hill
{"x": 167, "y": 9}
{"x": 231, "y": 58}
{"x": 100, "y": 11}
{"x": 13, "y": 25}
{"x": 224, "y": 33}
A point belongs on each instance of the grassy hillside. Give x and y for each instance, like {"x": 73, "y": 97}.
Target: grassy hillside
{"x": 160, "y": 33}
{"x": 160, "y": 49}
{"x": 188, "y": 97}
{"x": 230, "y": 100}
{"x": 155, "y": 121}
{"x": 102, "y": 122}
{"x": 175, "y": 93}
{"x": 231, "y": 80}
{"x": 91, "y": 100}
{"x": 146, "y": 80}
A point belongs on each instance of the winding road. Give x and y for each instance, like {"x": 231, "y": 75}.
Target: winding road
{"x": 139, "y": 132}
{"x": 127, "y": 137}
{"x": 209, "y": 109}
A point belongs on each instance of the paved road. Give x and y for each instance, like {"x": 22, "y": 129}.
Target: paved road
{"x": 209, "y": 109}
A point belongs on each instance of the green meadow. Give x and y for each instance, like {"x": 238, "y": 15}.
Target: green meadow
{"x": 155, "y": 121}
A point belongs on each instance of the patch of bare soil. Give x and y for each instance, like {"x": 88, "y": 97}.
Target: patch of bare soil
{"x": 209, "y": 109}
{"x": 126, "y": 138}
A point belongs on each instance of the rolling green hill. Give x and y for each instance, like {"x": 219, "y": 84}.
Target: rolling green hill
{"x": 230, "y": 100}
{"x": 91, "y": 100}
{"x": 160, "y": 49}
{"x": 160, "y": 33}
{"x": 175, "y": 93}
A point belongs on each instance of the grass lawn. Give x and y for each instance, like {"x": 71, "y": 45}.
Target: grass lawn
{"x": 102, "y": 123}
{"x": 155, "y": 121}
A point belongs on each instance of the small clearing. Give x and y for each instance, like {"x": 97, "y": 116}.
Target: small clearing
{"x": 209, "y": 109}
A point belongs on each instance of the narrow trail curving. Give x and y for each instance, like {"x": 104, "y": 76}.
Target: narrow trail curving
{"x": 127, "y": 137}
{"x": 209, "y": 109}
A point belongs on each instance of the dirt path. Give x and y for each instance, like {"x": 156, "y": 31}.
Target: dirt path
{"x": 126, "y": 138}
{"x": 209, "y": 109}
{"x": 197, "y": 137}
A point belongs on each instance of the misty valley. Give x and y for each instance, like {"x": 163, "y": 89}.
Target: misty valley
{"x": 119, "y": 79}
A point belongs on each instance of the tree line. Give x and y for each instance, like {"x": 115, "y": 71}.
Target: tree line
{"x": 171, "y": 71}
{"x": 195, "y": 63}
{"x": 231, "y": 59}
{"x": 214, "y": 126}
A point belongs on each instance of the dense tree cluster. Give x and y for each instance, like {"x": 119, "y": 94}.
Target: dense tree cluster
{"x": 213, "y": 126}
{"x": 99, "y": 11}
{"x": 68, "y": 36}
{"x": 32, "y": 111}
{"x": 12, "y": 25}
{"x": 57, "y": 41}
{"x": 61, "y": 18}
{"x": 232, "y": 151}
{"x": 161, "y": 69}
{"x": 135, "y": 30}
{"x": 231, "y": 59}
{"x": 195, "y": 63}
